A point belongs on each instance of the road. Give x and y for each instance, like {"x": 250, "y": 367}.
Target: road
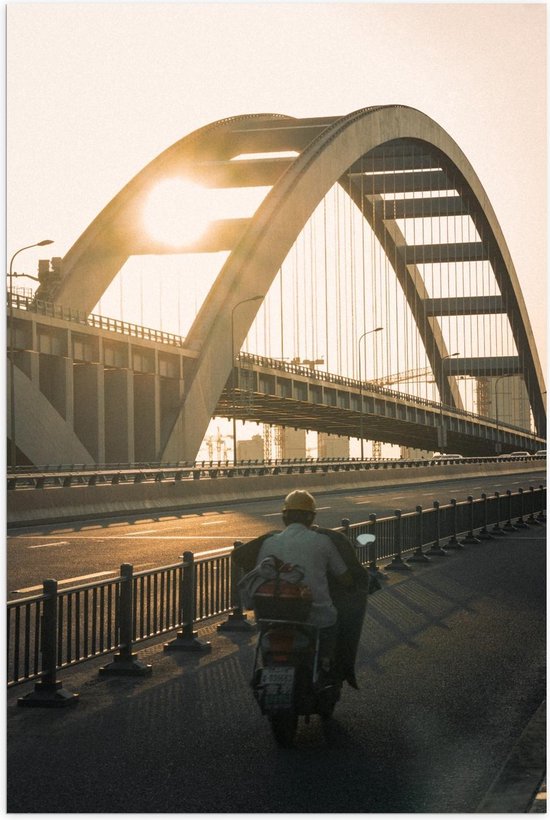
{"x": 451, "y": 670}
{"x": 85, "y": 551}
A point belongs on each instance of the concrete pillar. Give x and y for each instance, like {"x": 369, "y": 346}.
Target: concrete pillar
{"x": 119, "y": 416}
{"x": 171, "y": 392}
{"x": 56, "y": 383}
{"x": 89, "y": 408}
{"x": 28, "y": 362}
{"x": 146, "y": 417}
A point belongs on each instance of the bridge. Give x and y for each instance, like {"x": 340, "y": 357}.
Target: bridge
{"x": 373, "y": 250}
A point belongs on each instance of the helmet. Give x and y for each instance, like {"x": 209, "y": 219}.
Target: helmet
{"x": 299, "y": 500}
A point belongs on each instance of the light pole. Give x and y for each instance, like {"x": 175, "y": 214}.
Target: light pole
{"x": 233, "y": 379}
{"x": 13, "y": 449}
{"x": 497, "y": 380}
{"x": 442, "y": 430}
{"x": 366, "y": 333}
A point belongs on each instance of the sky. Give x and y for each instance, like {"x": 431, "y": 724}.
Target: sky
{"x": 96, "y": 90}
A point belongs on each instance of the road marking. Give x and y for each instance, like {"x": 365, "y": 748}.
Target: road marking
{"x": 67, "y": 581}
{"x": 211, "y": 523}
{"x": 323, "y": 508}
{"x": 49, "y": 544}
{"x": 398, "y": 497}
{"x": 141, "y": 532}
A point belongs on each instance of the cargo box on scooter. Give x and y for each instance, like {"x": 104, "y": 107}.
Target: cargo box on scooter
{"x": 281, "y": 600}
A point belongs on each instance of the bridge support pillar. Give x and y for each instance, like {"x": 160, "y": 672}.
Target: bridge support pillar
{"x": 119, "y": 416}
{"x": 146, "y": 416}
{"x": 56, "y": 381}
{"x": 89, "y": 408}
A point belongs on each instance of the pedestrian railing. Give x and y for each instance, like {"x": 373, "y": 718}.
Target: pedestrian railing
{"x": 63, "y": 627}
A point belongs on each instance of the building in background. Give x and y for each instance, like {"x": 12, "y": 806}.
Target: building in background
{"x": 330, "y": 446}
{"x": 251, "y": 449}
{"x": 505, "y": 399}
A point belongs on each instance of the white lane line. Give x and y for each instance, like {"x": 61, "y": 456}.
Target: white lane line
{"x": 68, "y": 580}
{"x": 211, "y": 523}
{"x": 141, "y": 532}
{"x": 49, "y": 544}
{"x": 398, "y": 497}
{"x": 270, "y": 515}
{"x": 323, "y": 508}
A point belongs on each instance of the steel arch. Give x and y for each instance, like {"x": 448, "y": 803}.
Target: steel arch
{"x": 331, "y": 150}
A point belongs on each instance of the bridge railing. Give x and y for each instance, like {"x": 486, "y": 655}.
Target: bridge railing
{"x": 75, "y": 475}
{"x": 63, "y": 627}
{"x": 44, "y": 308}
{"x": 372, "y": 387}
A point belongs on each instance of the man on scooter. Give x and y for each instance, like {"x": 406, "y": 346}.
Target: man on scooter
{"x": 330, "y": 569}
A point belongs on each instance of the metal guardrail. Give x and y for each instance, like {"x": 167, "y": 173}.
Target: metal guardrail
{"x": 245, "y": 359}
{"x": 63, "y": 627}
{"x": 44, "y": 308}
{"x": 74, "y": 475}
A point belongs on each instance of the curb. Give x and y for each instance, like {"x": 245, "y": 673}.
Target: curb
{"x": 516, "y": 786}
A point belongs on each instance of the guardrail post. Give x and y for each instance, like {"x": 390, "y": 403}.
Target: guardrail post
{"x": 436, "y": 548}
{"x": 345, "y": 524}
{"x": 470, "y": 538}
{"x": 187, "y": 640}
{"x": 532, "y": 521}
{"x": 418, "y": 556}
{"x": 541, "y": 516}
{"x": 126, "y": 662}
{"x": 520, "y": 523}
{"x": 373, "y": 567}
{"x": 484, "y": 534}
{"x": 497, "y": 528}
{"x": 237, "y": 620}
{"x": 454, "y": 543}
{"x": 397, "y": 562}
{"x": 509, "y": 527}
{"x": 49, "y": 691}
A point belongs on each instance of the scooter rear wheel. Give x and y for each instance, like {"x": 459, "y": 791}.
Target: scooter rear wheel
{"x": 284, "y": 726}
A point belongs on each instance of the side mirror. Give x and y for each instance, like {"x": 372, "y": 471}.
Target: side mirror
{"x": 365, "y": 538}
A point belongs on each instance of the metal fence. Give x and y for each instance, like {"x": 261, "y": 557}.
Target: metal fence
{"x": 62, "y": 627}
{"x": 80, "y": 475}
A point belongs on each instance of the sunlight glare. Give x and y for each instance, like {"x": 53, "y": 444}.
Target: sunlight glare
{"x": 176, "y": 212}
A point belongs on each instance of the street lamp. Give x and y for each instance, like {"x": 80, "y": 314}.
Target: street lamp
{"x": 366, "y": 333}
{"x": 442, "y": 430}
{"x": 233, "y": 379}
{"x": 13, "y": 449}
{"x": 497, "y": 380}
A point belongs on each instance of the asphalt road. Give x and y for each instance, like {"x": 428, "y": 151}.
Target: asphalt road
{"x": 85, "y": 551}
{"x": 451, "y": 670}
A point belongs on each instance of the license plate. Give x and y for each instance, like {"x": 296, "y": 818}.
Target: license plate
{"x": 278, "y": 686}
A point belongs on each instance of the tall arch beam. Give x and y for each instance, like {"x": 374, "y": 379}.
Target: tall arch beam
{"x": 329, "y": 148}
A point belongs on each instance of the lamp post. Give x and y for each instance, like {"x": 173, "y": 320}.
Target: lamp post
{"x": 233, "y": 380}
{"x": 442, "y": 430}
{"x": 366, "y": 333}
{"x": 13, "y": 449}
{"x": 497, "y": 380}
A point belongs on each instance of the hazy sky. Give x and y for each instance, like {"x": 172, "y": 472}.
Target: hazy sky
{"x": 96, "y": 90}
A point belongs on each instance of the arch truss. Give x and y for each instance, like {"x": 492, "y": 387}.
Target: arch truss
{"x": 408, "y": 181}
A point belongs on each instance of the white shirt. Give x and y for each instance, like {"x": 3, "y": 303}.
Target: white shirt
{"x": 316, "y": 554}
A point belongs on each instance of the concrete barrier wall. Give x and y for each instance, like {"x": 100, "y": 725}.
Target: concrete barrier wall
{"x": 59, "y": 504}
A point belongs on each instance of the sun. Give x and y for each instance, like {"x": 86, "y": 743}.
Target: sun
{"x": 177, "y": 211}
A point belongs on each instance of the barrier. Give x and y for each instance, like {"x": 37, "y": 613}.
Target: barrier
{"x": 81, "y": 502}
{"x": 62, "y": 627}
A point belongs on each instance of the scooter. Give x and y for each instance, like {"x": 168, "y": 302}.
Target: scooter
{"x": 286, "y": 679}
